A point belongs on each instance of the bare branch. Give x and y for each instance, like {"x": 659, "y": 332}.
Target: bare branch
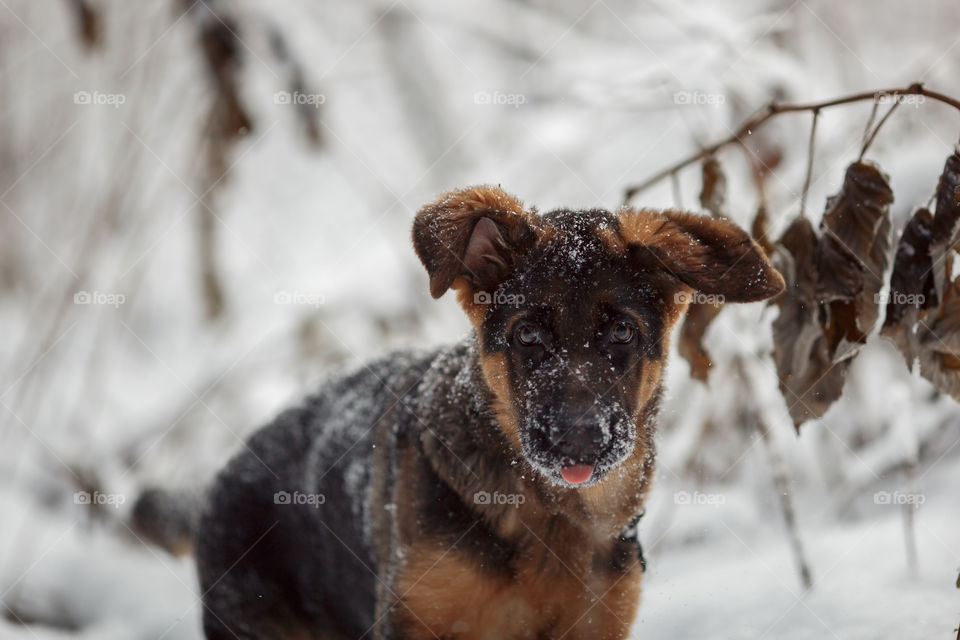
{"x": 775, "y": 109}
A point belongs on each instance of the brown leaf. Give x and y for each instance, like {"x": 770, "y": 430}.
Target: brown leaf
{"x": 809, "y": 379}
{"x": 852, "y": 256}
{"x": 940, "y": 344}
{"x": 911, "y": 285}
{"x": 923, "y": 316}
{"x": 867, "y": 302}
{"x": 690, "y": 344}
{"x": 851, "y": 225}
{"x": 842, "y": 275}
{"x": 307, "y": 113}
{"x": 221, "y": 51}
{"x": 88, "y": 22}
{"x": 700, "y": 315}
{"x": 760, "y": 229}
{"x": 714, "y": 189}
{"x": 911, "y": 282}
{"x": 833, "y": 280}
{"x": 946, "y": 221}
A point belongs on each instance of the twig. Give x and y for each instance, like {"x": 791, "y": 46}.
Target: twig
{"x": 778, "y": 470}
{"x": 870, "y": 121}
{"x": 876, "y": 130}
{"x": 782, "y": 485}
{"x": 677, "y": 192}
{"x": 774, "y": 109}
{"x": 909, "y": 521}
{"x": 759, "y": 174}
{"x": 810, "y": 150}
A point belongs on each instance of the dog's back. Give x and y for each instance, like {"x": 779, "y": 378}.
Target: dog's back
{"x": 283, "y": 547}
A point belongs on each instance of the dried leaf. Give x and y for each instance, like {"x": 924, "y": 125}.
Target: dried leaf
{"x": 690, "y": 344}
{"x": 809, "y": 379}
{"x": 851, "y": 225}
{"x": 833, "y": 280}
{"x": 308, "y": 113}
{"x": 940, "y": 344}
{"x": 760, "y": 229}
{"x": 946, "y": 221}
{"x": 700, "y": 315}
{"x": 911, "y": 282}
{"x": 923, "y": 317}
{"x": 88, "y": 22}
{"x": 868, "y": 301}
{"x": 221, "y": 51}
{"x": 911, "y": 285}
{"x": 852, "y": 257}
{"x": 714, "y": 189}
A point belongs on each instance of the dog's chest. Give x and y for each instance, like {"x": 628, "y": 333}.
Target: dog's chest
{"x": 448, "y": 594}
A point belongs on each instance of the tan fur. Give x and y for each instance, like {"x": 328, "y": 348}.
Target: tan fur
{"x": 475, "y": 312}
{"x": 652, "y": 228}
{"x": 481, "y": 199}
{"x": 495, "y": 373}
{"x": 447, "y": 594}
{"x": 711, "y": 254}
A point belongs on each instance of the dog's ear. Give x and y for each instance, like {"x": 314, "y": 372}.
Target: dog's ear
{"x": 475, "y": 234}
{"x": 711, "y": 255}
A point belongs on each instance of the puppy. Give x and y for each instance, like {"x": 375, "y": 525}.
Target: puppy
{"x": 488, "y": 489}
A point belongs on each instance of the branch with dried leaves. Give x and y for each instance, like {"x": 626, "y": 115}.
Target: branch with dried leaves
{"x": 835, "y": 275}
{"x": 774, "y": 109}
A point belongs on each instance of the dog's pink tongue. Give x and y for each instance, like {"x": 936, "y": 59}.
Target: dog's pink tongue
{"x": 577, "y": 474}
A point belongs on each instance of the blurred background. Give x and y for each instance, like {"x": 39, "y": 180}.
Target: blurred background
{"x": 205, "y": 209}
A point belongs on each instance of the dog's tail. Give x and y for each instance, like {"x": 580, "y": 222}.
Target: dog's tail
{"x": 168, "y": 518}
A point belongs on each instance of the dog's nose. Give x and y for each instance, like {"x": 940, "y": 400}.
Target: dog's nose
{"x": 579, "y": 438}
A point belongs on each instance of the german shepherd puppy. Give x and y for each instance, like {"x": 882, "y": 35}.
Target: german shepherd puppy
{"x": 487, "y": 489}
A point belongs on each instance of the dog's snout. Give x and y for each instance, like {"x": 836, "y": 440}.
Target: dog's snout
{"x": 579, "y": 438}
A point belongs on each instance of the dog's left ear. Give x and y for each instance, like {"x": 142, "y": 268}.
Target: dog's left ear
{"x": 472, "y": 235}
{"x": 711, "y": 255}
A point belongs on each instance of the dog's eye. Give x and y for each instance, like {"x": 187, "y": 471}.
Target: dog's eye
{"x": 622, "y": 333}
{"x": 528, "y": 335}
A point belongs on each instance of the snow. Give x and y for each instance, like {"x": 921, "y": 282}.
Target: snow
{"x": 563, "y": 104}
{"x": 736, "y": 589}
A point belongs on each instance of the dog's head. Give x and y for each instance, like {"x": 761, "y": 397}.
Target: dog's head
{"x": 573, "y": 311}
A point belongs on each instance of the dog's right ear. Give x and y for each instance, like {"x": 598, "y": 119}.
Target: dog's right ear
{"x": 472, "y": 236}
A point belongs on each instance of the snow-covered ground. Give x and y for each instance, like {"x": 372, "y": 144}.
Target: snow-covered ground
{"x": 740, "y": 580}
{"x": 720, "y": 572}
{"x": 562, "y": 103}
